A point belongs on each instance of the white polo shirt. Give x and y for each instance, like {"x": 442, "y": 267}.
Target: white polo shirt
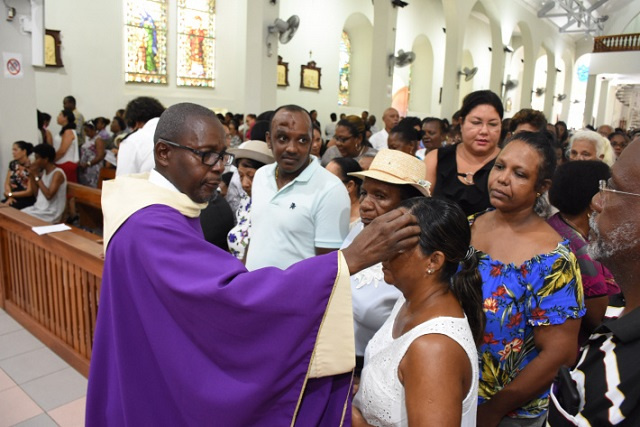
{"x": 288, "y": 224}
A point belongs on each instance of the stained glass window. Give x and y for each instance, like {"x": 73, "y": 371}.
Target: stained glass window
{"x": 344, "y": 69}
{"x": 196, "y": 42}
{"x": 146, "y": 41}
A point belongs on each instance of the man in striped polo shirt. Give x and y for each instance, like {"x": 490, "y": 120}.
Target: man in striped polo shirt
{"x": 603, "y": 387}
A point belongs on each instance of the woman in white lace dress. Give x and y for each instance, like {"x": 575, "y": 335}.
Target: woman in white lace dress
{"x": 393, "y": 176}
{"x": 421, "y": 367}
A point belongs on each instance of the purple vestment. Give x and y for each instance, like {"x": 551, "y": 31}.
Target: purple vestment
{"x": 186, "y": 336}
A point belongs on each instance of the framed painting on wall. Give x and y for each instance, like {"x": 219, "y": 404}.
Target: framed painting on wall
{"x": 52, "y": 57}
{"x": 310, "y": 76}
{"x": 283, "y": 72}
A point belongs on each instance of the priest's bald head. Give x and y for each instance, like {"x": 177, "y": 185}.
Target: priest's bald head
{"x": 189, "y": 148}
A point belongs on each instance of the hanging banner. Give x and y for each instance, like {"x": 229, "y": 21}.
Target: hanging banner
{"x": 12, "y": 64}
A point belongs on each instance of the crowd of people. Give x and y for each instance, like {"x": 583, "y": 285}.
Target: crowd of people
{"x": 476, "y": 263}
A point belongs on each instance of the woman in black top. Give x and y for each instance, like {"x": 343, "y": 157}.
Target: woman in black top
{"x": 460, "y": 172}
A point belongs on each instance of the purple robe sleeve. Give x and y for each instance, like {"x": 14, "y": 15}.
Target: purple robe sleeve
{"x": 186, "y": 336}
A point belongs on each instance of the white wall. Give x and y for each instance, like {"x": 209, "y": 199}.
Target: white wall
{"x": 93, "y": 56}
{"x": 321, "y": 25}
{"x": 17, "y": 96}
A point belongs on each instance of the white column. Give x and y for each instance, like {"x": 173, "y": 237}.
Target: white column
{"x": 384, "y": 43}
{"x": 589, "y": 100}
{"x": 260, "y": 70}
{"x": 602, "y": 103}
{"x": 550, "y": 93}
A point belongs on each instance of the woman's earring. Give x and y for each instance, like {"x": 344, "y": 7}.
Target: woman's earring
{"x": 429, "y": 271}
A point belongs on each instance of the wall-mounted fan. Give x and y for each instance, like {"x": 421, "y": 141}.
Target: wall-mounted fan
{"x": 402, "y": 59}
{"x": 539, "y": 91}
{"x": 561, "y": 97}
{"x": 510, "y": 85}
{"x": 284, "y": 30}
{"x": 468, "y": 73}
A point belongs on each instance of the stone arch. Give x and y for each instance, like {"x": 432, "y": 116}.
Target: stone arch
{"x": 421, "y": 88}
{"x": 360, "y": 31}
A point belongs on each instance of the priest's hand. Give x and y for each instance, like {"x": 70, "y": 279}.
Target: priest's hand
{"x": 383, "y": 238}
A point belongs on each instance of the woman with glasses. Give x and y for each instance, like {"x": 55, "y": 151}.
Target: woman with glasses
{"x": 574, "y": 185}
{"x": 532, "y": 292}
{"x": 342, "y": 167}
{"x": 460, "y": 172}
{"x": 351, "y": 141}
{"x": 619, "y": 141}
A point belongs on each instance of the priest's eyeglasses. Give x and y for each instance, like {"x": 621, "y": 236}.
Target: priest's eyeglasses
{"x": 605, "y": 185}
{"x": 209, "y": 158}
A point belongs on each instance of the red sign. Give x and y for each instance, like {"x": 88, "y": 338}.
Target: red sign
{"x": 13, "y": 66}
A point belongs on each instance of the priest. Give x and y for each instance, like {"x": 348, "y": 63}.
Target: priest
{"x": 186, "y": 335}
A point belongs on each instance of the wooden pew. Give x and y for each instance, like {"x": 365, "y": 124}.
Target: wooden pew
{"x": 51, "y": 284}
{"x": 88, "y": 205}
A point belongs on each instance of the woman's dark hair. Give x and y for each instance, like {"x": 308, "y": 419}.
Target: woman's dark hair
{"x": 121, "y": 123}
{"x": 575, "y": 184}
{"x": 250, "y": 163}
{"x": 226, "y": 178}
{"x": 356, "y": 126}
{"x": 481, "y": 97}
{"x": 71, "y": 120}
{"x": 45, "y": 151}
{"x": 444, "y": 124}
{"x": 349, "y": 165}
{"x": 444, "y": 227}
{"x": 23, "y": 145}
{"x": 411, "y": 121}
{"x": 104, "y": 120}
{"x": 620, "y": 133}
{"x": 565, "y": 135}
{"x": 259, "y": 130}
{"x": 407, "y": 133}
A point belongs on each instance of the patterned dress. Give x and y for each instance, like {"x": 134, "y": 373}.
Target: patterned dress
{"x": 544, "y": 290}
{"x": 19, "y": 181}
{"x": 89, "y": 175}
{"x": 238, "y": 237}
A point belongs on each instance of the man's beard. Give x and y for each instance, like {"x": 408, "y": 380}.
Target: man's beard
{"x": 621, "y": 239}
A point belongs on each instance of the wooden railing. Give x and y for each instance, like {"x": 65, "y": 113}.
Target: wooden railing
{"x": 617, "y": 43}
{"x": 51, "y": 284}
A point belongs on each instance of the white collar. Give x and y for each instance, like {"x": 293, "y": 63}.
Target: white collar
{"x": 158, "y": 179}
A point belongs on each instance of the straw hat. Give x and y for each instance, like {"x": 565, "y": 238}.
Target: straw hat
{"x": 254, "y": 150}
{"x": 396, "y": 167}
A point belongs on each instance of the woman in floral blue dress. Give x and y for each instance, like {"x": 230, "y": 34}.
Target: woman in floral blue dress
{"x": 532, "y": 288}
{"x": 250, "y": 156}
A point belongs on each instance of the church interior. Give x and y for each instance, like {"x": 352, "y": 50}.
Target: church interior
{"x": 576, "y": 61}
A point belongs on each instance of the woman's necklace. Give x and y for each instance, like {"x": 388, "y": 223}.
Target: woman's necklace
{"x": 466, "y": 177}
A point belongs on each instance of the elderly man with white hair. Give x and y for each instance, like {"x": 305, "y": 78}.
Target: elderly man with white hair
{"x": 590, "y": 145}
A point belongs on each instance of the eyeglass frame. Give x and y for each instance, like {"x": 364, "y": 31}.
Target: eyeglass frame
{"x": 603, "y": 185}
{"x": 220, "y": 156}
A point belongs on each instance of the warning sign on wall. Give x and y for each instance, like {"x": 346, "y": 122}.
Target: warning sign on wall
{"x": 12, "y": 64}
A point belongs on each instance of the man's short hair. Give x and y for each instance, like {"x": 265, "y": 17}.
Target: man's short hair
{"x": 71, "y": 99}
{"x": 45, "y": 151}
{"x": 293, "y": 109}
{"x": 175, "y": 119}
{"x": 529, "y": 116}
{"x": 143, "y": 109}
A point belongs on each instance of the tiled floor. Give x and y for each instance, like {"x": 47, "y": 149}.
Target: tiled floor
{"x": 37, "y": 388}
